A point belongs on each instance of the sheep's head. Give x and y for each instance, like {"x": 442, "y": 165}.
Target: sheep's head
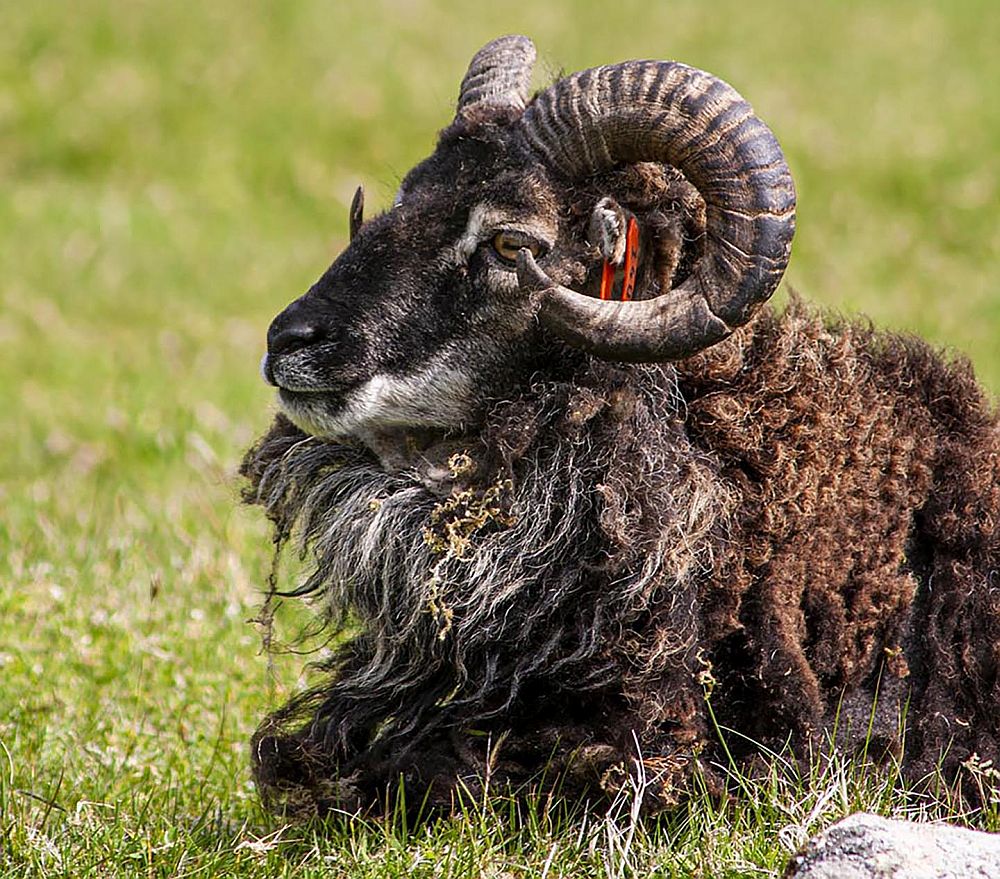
{"x": 500, "y": 242}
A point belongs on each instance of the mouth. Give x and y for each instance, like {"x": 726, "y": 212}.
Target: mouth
{"x": 338, "y": 403}
{"x": 280, "y": 375}
{"x": 311, "y": 401}
{"x": 293, "y": 379}
{"x": 421, "y": 452}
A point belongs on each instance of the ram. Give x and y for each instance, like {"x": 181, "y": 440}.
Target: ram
{"x": 582, "y": 509}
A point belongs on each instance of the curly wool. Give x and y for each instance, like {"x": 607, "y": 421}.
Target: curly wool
{"x": 869, "y": 470}
{"x": 803, "y": 516}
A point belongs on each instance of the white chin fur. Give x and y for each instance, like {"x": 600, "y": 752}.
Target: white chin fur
{"x": 309, "y": 413}
{"x": 435, "y": 399}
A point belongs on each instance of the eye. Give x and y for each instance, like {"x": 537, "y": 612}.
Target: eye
{"x": 509, "y": 242}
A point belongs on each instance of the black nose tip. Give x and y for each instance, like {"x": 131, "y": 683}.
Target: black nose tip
{"x": 290, "y": 337}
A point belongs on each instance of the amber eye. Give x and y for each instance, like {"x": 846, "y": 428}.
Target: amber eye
{"x": 508, "y": 243}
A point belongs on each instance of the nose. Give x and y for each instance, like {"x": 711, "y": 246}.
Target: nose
{"x": 292, "y": 330}
{"x": 292, "y": 337}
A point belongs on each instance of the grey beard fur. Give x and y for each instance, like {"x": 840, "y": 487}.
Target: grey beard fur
{"x": 580, "y": 512}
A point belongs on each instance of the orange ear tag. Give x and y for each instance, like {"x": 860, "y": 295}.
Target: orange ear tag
{"x": 630, "y": 268}
{"x": 631, "y": 259}
{"x": 607, "y": 280}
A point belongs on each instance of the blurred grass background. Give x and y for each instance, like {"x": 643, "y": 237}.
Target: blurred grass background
{"x": 171, "y": 174}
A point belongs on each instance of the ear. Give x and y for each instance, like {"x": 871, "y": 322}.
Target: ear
{"x": 614, "y": 233}
{"x": 607, "y": 228}
{"x": 630, "y": 270}
{"x": 357, "y": 213}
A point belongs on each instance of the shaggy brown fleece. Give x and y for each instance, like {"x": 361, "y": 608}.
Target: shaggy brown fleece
{"x": 869, "y": 473}
{"x": 790, "y": 524}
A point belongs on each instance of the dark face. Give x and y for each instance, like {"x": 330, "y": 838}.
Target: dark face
{"x": 420, "y": 321}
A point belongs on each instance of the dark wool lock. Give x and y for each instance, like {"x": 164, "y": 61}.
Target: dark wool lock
{"x": 574, "y": 539}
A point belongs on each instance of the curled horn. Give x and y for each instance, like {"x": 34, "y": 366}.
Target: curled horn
{"x": 499, "y": 74}
{"x": 662, "y": 111}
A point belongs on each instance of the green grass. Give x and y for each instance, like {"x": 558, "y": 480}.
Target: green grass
{"x": 170, "y": 176}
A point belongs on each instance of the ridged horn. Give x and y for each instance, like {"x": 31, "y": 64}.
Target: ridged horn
{"x": 663, "y": 111}
{"x": 500, "y": 74}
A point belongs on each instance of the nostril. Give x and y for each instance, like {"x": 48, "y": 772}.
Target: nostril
{"x": 292, "y": 337}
